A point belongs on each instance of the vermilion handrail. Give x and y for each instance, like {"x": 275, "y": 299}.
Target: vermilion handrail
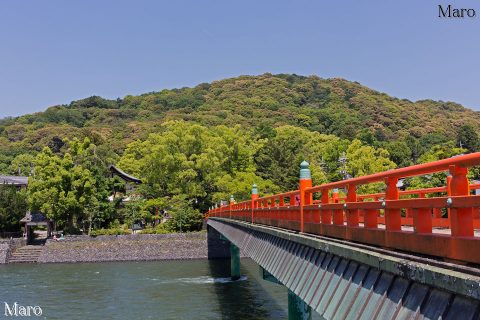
{"x": 442, "y": 224}
{"x": 464, "y": 161}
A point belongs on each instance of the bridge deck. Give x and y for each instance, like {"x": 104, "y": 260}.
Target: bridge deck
{"x": 341, "y": 281}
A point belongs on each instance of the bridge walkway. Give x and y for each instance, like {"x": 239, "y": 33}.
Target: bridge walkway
{"x": 341, "y": 281}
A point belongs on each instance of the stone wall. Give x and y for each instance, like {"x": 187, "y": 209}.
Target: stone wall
{"x": 7, "y": 246}
{"x": 134, "y": 247}
{"x": 4, "y": 252}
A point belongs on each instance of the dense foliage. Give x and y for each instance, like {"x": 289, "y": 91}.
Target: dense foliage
{"x": 13, "y": 205}
{"x": 193, "y": 147}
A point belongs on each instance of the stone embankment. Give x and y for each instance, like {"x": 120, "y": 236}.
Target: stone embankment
{"x": 8, "y": 246}
{"x": 4, "y": 252}
{"x": 135, "y": 247}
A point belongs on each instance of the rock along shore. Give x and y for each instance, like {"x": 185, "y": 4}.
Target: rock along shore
{"x": 135, "y": 247}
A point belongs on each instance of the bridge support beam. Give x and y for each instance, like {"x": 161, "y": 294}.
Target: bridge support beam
{"x": 234, "y": 262}
{"x": 297, "y": 308}
{"x": 218, "y": 245}
{"x": 267, "y": 276}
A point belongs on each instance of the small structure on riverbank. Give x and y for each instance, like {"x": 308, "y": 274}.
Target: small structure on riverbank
{"x": 17, "y": 181}
{"x": 32, "y": 220}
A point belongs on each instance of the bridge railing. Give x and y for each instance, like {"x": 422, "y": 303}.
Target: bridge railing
{"x": 439, "y": 221}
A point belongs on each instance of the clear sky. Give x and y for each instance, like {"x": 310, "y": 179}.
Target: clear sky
{"x": 53, "y": 52}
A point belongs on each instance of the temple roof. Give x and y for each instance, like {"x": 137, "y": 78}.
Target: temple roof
{"x": 14, "y": 180}
{"x": 124, "y": 176}
{"x": 34, "y": 217}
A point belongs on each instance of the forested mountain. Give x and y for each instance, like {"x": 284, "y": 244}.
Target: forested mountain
{"x": 195, "y": 146}
{"x": 331, "y": 106}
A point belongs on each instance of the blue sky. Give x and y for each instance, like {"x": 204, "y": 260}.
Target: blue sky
{"x": 53, "y": 52}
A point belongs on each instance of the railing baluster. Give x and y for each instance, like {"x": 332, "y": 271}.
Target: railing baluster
{"x": 422, "y": 220}
{"x": 352, "y": 214}
{"x": 461, "y": 221}
{"x": 393, "y": 217}
{"x": 370, "y": 219}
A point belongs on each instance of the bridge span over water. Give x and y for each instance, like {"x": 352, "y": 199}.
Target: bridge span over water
{"x": 399, "y": 254}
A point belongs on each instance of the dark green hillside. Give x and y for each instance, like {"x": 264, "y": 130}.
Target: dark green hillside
{"x": 333, "y": 106}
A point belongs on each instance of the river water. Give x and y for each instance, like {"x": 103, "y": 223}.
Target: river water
{"x": 197, "y": 289}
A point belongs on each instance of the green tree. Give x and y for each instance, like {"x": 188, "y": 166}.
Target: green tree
{"x": 134, "y": 212}
{"x": 280, "y": 157}
{"x": 364, "y": 160}
{"x": 437, "y": 152}
{"x": 187, "y": 160}
{"x": 154, "y": 206}
{"x": 400, "y": 153}
{"x": 87, "y": 155}
{"x": 467, "y": 137}
{"x": 240, "y": 186}
{"x": 59, "y": 188}
{"x": 22, "y": 165}
{"x": 366, "y": 136}
{"x": 65, "y": 191}
{"x": 13, "y": 206}
{"x": 183, "y": 217}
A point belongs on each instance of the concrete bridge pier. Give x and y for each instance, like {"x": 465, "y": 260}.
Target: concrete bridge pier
{"x": 234, "y": 262}
{"x": 297, "y": 308}
{"x": 220, "y": 247}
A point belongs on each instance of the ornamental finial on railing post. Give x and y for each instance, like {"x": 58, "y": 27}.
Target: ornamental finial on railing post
{"x": 305, "y": 170}
{"x": 232, "y": 202}
{"x": 254, "y": 197}
{"x": 305, "y": 182}
{"x": 254, "y": 189}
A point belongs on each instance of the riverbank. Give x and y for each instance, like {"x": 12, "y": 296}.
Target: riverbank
{"x": 134, "y": 247}
{"x": 7, "y": 246}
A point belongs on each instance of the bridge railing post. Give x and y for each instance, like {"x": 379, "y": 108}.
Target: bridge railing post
{"x": 254, "y": 197}
{"x": 325, "y": 215}
{"x": 352, "y": 214}
{"x": 461, "y": 220}
{"x": 230, "y": 205}
{"x": 449, "y": 193}
{"x": 393, "y": 218}
{"x": 305, "y": 197}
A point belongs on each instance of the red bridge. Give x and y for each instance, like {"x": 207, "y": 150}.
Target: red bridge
{"x": 439, "y": 222}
